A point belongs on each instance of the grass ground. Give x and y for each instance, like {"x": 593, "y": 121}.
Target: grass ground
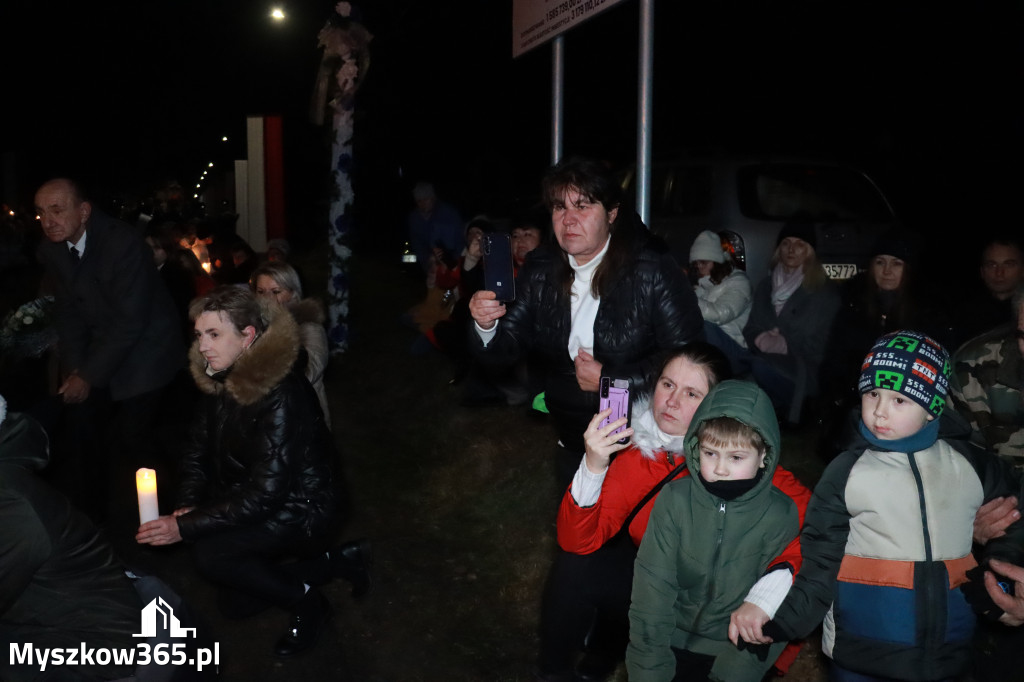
{"x": 459, "y": 503}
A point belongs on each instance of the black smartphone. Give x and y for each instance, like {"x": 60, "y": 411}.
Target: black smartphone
{"x": 615, "y": 394}
{"x": 498, "y": 277}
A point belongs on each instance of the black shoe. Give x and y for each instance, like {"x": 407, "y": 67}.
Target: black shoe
{"x": 309, "y": 616}
{"x": 351, "y": 561}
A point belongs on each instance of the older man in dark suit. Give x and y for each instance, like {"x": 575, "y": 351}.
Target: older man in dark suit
{"x": 119, "y": 340}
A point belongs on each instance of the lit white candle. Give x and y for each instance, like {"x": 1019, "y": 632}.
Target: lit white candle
{"x": 145, "y": 484}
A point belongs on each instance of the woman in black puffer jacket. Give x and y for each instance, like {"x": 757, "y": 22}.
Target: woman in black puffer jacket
{"x": 603, "y": 301}
{"x": 259, "y": 475}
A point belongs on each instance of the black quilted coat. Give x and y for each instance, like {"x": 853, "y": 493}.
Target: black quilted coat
{"x": 649, "y": 307}
{"x": 259, "y": 451}
{"x": 60, "y": 584}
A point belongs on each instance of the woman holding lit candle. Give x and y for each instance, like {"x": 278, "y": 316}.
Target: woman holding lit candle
{"x": 259, "y": 481}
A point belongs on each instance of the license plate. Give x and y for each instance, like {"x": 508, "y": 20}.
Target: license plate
{"x": 840, "y": 270}
{"x": 408, "y": 257}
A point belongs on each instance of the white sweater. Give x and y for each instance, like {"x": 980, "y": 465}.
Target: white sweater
{"x": 726, "y": 304}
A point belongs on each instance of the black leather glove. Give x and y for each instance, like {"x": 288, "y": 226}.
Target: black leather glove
{"x": 773, "y": 630}
{"x": 759, "y": 650}
{"x": 978, "y": 597}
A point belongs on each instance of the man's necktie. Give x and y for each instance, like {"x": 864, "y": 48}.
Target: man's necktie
{"x": 75, "y": 256}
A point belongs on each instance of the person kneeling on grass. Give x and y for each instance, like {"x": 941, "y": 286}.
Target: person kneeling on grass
{"x": 260, "y": 482}
{"x": 711, "y": 536}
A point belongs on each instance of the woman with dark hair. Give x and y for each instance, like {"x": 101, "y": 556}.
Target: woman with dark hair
{"x": 603, "y": 301}
{"x": 604, "y": 514}
{"x": 259, "y": 475}
{"x": 790, "y": 317}
{"x": 885, "y": 298}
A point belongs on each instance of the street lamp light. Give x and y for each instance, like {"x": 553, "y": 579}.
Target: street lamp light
{"x": 277, "y": 14}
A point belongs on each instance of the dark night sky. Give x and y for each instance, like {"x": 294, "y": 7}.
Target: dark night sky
{"x": 128, "y": 94}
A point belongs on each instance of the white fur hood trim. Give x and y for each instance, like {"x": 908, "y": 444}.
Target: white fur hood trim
{"x": 647, "y": 437}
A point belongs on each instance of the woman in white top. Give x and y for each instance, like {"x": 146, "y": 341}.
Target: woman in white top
{"x": 603, "y": 301}
{"x": 724, "y": 296}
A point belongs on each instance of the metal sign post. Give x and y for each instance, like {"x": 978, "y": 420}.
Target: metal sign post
{"x": 534, "y": 22}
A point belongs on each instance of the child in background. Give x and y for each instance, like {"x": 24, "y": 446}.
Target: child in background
{"x": 711, "y": 536}
{"x": 887, "y": 537}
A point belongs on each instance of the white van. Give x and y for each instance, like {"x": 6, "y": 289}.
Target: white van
{"x": 751, "y": 198}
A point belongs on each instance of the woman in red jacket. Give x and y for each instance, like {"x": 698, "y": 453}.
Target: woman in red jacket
{"x": 604, "y": 514}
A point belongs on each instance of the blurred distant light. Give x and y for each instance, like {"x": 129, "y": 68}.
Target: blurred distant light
{"x": 198, "y": 185}
{"x": 11, "y": 212}
{"x": 211, "y": 164}
{"x": 277, "y": 14}
{"x": 224, "y": 139}
{"x": 195, "y": 196}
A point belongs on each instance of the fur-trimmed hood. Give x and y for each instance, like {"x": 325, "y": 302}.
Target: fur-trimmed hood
{"x": 260, "y": 367}
{"x": 647, "y": 437}
{"x": 307, "y": 311}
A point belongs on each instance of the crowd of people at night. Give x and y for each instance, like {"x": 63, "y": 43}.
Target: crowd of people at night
{"x": 261, "y": 498}
{"x": 913, "y": 429}
{"x": 686, "y": 550}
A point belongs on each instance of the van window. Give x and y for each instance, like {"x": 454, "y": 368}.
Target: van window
{"x": 681, "y": 190}
{"x": 823, "y": 193}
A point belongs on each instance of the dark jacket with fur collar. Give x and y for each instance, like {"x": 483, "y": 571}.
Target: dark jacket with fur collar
{"x": 259, "y": 450}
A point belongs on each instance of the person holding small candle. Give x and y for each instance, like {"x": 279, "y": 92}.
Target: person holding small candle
{"x": 259, "y": 478}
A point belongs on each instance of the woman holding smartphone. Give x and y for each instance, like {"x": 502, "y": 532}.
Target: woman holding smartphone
{"x": 602, "y": 302}
{"x": 604, "y": 514}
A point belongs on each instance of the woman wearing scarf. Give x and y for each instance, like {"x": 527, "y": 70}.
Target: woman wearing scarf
{"x": 789, "y": 321}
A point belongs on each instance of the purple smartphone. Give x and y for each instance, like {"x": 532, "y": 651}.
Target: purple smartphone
{"x": 615, "y": 394}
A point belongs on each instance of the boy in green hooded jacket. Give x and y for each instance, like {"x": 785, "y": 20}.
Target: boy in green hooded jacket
{"x": 711, "y": 536}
